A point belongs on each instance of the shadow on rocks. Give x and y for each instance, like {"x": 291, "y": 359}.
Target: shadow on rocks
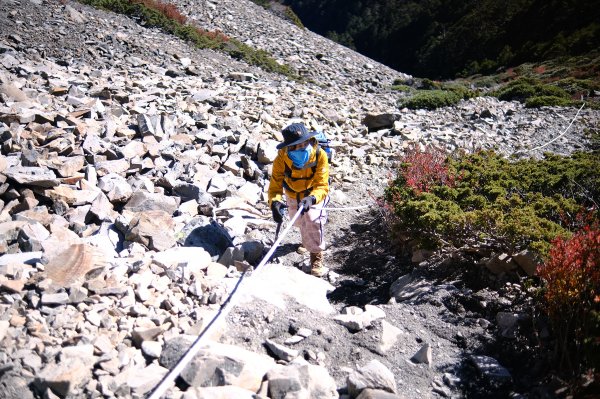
{"x": 363, "y": 256}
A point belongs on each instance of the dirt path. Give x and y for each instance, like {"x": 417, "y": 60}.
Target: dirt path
{"x": 360, "y": 255}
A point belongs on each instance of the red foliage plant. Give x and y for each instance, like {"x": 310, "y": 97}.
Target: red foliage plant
{"x": 168, "y": 10}
{"x": 213, "y": 35}
{"x": 539, "y": 69}
{"x": 172, "y": 12}
{"x": 572, "y": 294}
{"x": 510, "y": 74}
{"x": 423, "y": 169}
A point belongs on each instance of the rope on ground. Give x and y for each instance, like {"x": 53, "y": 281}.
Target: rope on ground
{"x": 225, "y": 308}
{"x": 560, "y": 135}
{"x": 348, "y": 208}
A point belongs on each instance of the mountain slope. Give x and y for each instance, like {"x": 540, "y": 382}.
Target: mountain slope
{"x": 133, "y": 172}
{"x": 442, "y": 38}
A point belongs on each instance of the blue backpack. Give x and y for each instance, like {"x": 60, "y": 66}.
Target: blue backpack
{"x": 325, "y": 144}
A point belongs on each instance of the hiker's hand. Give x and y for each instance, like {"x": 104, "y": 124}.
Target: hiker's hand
{"x": 278, "y": 209}
{"x": 307, "y": 202}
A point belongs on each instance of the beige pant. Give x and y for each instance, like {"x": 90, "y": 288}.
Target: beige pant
{"x": 311, "y": 224}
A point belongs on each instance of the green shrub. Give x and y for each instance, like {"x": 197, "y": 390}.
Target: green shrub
{"x": 519, "y": 90}
{"x": 260, "y": 58}
{"x": 402, "y": 81}
{"x": 166, "y": 16}
{"x": 430, "y": 99}
{"x": 482, "y": 196}
{"x": 574, "y": 85}
{"x": 402, "y": 88}
{"x": 486, "y": 81}
{"x": 534, "y": 93}
{"x": 553, "y": 91}
{"x": 547, "y": 101}
{"x": 460, "y": 90}
{"x": 446, "y": 95}
{"x": 428, "y": 84}
{"x": 291, "y": 15}
{"x": 263, "y": 3}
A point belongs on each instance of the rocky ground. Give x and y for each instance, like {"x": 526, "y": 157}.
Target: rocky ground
{"x": 132, "y": 177}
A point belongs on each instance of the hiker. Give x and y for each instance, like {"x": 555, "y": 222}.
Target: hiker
{"x": 301, "y": 171}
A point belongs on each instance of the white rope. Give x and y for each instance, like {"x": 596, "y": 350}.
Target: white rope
{"x": 227, "y": 306}
{"x": 348, "y": 208}
{"x": 562, "y": 134}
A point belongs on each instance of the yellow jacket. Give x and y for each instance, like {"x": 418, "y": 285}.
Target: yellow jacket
{"x": 308, "y": 183}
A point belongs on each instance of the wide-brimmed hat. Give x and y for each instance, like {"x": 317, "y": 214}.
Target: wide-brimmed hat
{"x": 295, "y": 133}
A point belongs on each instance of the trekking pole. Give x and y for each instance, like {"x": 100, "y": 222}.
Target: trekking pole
{"x": 279, "y": 225}
{"x": 277, "y": 229}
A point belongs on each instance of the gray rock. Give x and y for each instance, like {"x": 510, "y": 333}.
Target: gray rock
{"x": 64, "y": 377}
{"x": 377, "y": 394}
{"x": 492, "y": 371}
{"x": 14, "y": 387}
{"x": 200, "y": 232}
{"x": 151, "y": 348}
{"x": 144, "y": 201}
{"x": 300, "y": 380}
{"x": 218, "y": 365}
{"x": 102, "y": 209}
{"x": 115, "y": 187}
{"x": 60, "y": 298}
{"x": 507, "y": 322}
{"x": 280, "y": 351}
{"x": 407, "y": 287}
{"x": 226, "y": 392}
{"x": 143, "y": 380}
{"x": 389, "y": 336}
{"x": 154, "y": 229}
{"x": 33, "y": 176}
{"x": 231, "y": 255}
{"x": 500, "y": 264}
{"x": 141, "y": 334}
{"x": 4, "y": 324}
{"x": 373, "y": 375}
{"x": 12, "y": 92}
{"x": 528, "y": 261}
{"x": 423, "y": 355}
{"x": 380, "y": 121}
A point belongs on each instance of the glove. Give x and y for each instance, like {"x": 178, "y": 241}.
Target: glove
{"x": 278, "y": 208}
{"x": 307, "y": 202}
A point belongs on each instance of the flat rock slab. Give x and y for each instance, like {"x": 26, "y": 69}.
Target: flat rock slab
{"x": 277, "y": 284}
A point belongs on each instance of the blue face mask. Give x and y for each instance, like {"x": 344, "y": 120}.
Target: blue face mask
{"x": 300, "y": 157}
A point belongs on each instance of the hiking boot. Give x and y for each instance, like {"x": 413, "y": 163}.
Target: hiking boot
{"x": 301, "y": 250}
{"x": 316, "y": 264}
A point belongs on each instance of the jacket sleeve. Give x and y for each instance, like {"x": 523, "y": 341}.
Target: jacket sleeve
{"x": 320, "y": 187}
{"x": 276, "y": 182}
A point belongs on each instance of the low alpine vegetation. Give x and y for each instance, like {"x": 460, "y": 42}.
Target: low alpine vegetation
{"x": 535, "y": 93}
{"x": 470, "y": 199}
{"x": 572, "y": 298}
{"x": 470, "y": 202}
{"x": 166, "y": 16}
{"x": 432, "y": 95}
{"x": 481, "y": 200}
{"x": 558, "y": 82}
